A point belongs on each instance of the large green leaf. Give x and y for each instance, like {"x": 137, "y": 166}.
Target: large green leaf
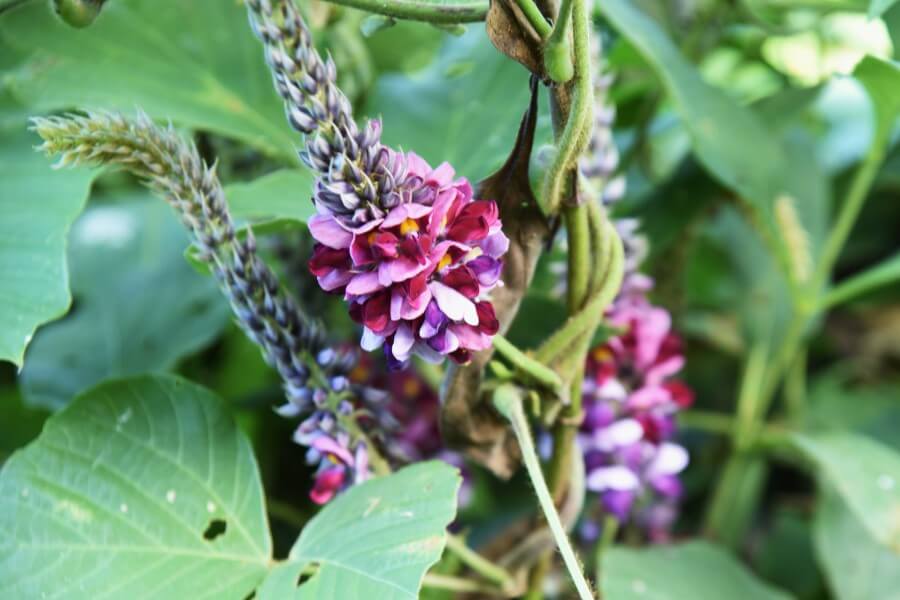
{"x": 37, "y": 206}
{"x": 730, "y": 140}
{"x": 122, "y": 496}
{"x": 857, "y": 567}
{"x": 691, "y": 571}
{"x": 464, "y": 108}
{"x": 376, "y": 540}
{"x": 284, "y": 194}
{"x": 871, "y": 410}
{"x": 139, "y": 306}
{"x": 194, "y": 62}
{"x": 865, "y": 473}
{"x": 881, "y": 78}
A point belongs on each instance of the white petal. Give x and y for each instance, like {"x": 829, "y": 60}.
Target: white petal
{"x": 616, "y": 477}
{"x": 453, "y": 304}
{"x": 669, "y": 460}
{"x": 619, "y": 434}
{"x": 403, "y": 342}
{"x": 370, "y": 340}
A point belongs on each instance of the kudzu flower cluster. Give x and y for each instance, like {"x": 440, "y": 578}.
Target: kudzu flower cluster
{"x": 315, "y": 376}
{"x": 629, "y": 396}
{"x": 410, "y": 249}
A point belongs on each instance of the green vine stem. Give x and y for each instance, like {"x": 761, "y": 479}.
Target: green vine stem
{"x": 535, "y": 17}
{"x": 467, "y": 11}
{"x": 572, "y": 140}
{"x": 527, "y": 366}
{"x": 450, "y": 583}
{"x": 557, "y": 52}
{"x": 479, "y": 564}
{"x": 508, "y": 401}
{"x": 856, "y": 196}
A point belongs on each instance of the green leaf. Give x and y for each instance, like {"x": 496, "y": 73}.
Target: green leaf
{"x": 731, "y": 141}
{"x": 691, "y": 571}
{"x": 872, "y": 410}
{"x": 376, "y": 540}
{"x": 284, "y": 194}
{"x": 884, "y": 273}
{"x": 196, "y": 63}
{"x": 139, "y": 306}
{"x": 115, "y": 496}
{"x": 878, "y": 7}
{"x": 881, "y": 78}
{"x": 857, "y": 567}
{"x": 865, "y": 473}
{"x": 464, "y": 108}
{"x": 37, "y": 207}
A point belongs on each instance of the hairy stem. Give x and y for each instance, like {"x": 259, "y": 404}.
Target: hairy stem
{"x": 508, "y": 401}
{"x": 573, "y": 140}
{"x": 469, "y": 11}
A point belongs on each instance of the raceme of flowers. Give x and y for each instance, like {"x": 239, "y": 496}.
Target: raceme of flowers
{"x": 418, "y": 278}
{"x": 630, "y": 402}
{"x": 407, "y": 245}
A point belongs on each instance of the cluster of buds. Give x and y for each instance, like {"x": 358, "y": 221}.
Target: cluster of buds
{"x": 410, "y": 249}
{"x": 630, "y": 401}
{"x": 314, "y": 375}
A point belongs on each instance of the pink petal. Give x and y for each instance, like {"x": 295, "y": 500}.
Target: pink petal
{"x": 364, "y": 283}
{"x": 326, "y": 230}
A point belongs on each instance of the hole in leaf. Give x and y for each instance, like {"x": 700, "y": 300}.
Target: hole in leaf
{"x": 215, "y": 528}
{"x": 307, "y": 573}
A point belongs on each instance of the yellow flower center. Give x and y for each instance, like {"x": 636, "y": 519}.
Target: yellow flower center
{"x": 408, "y": 226}
{"x": 444, "y": 262}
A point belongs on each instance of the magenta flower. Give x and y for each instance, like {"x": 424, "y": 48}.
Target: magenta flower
{"x": 417, "y": 277}
{"x": 631, "y": 402}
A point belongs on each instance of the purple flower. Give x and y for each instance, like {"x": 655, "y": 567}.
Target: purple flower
{"x": 417, "y": 277}
{"x": 630, "y": 403}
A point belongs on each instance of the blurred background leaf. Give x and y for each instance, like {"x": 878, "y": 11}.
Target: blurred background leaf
{"x": 139, "y": 307}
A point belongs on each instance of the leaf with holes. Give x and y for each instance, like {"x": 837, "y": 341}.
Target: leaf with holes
{"x": 692, "y": 571}
{"x": 139, "y": 307}
{"x": 140, "y": 488}
{"x": 37, "y": 206}
{"x": 376, "y": 540}
{"x": 865, "y": 473}
{"x": 196, "y": 63}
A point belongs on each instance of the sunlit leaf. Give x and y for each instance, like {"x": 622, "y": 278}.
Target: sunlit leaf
{"x": 865, "y": 473}
{"x": 141, "y": 488}
{"x": 284, "y": 194}
{"x": 376, "y": 540}
{"x": 857, "y": 567}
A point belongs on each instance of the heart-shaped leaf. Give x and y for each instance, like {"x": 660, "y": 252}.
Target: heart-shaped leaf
{"x": 140, "y": 488}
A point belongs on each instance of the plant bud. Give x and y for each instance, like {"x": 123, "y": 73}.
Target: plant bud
{"x": 78, "y": 13}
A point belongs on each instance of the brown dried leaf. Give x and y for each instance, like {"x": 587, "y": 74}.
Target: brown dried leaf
{"x": 468, "y": 419}
{"x": 513, "y": 35}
